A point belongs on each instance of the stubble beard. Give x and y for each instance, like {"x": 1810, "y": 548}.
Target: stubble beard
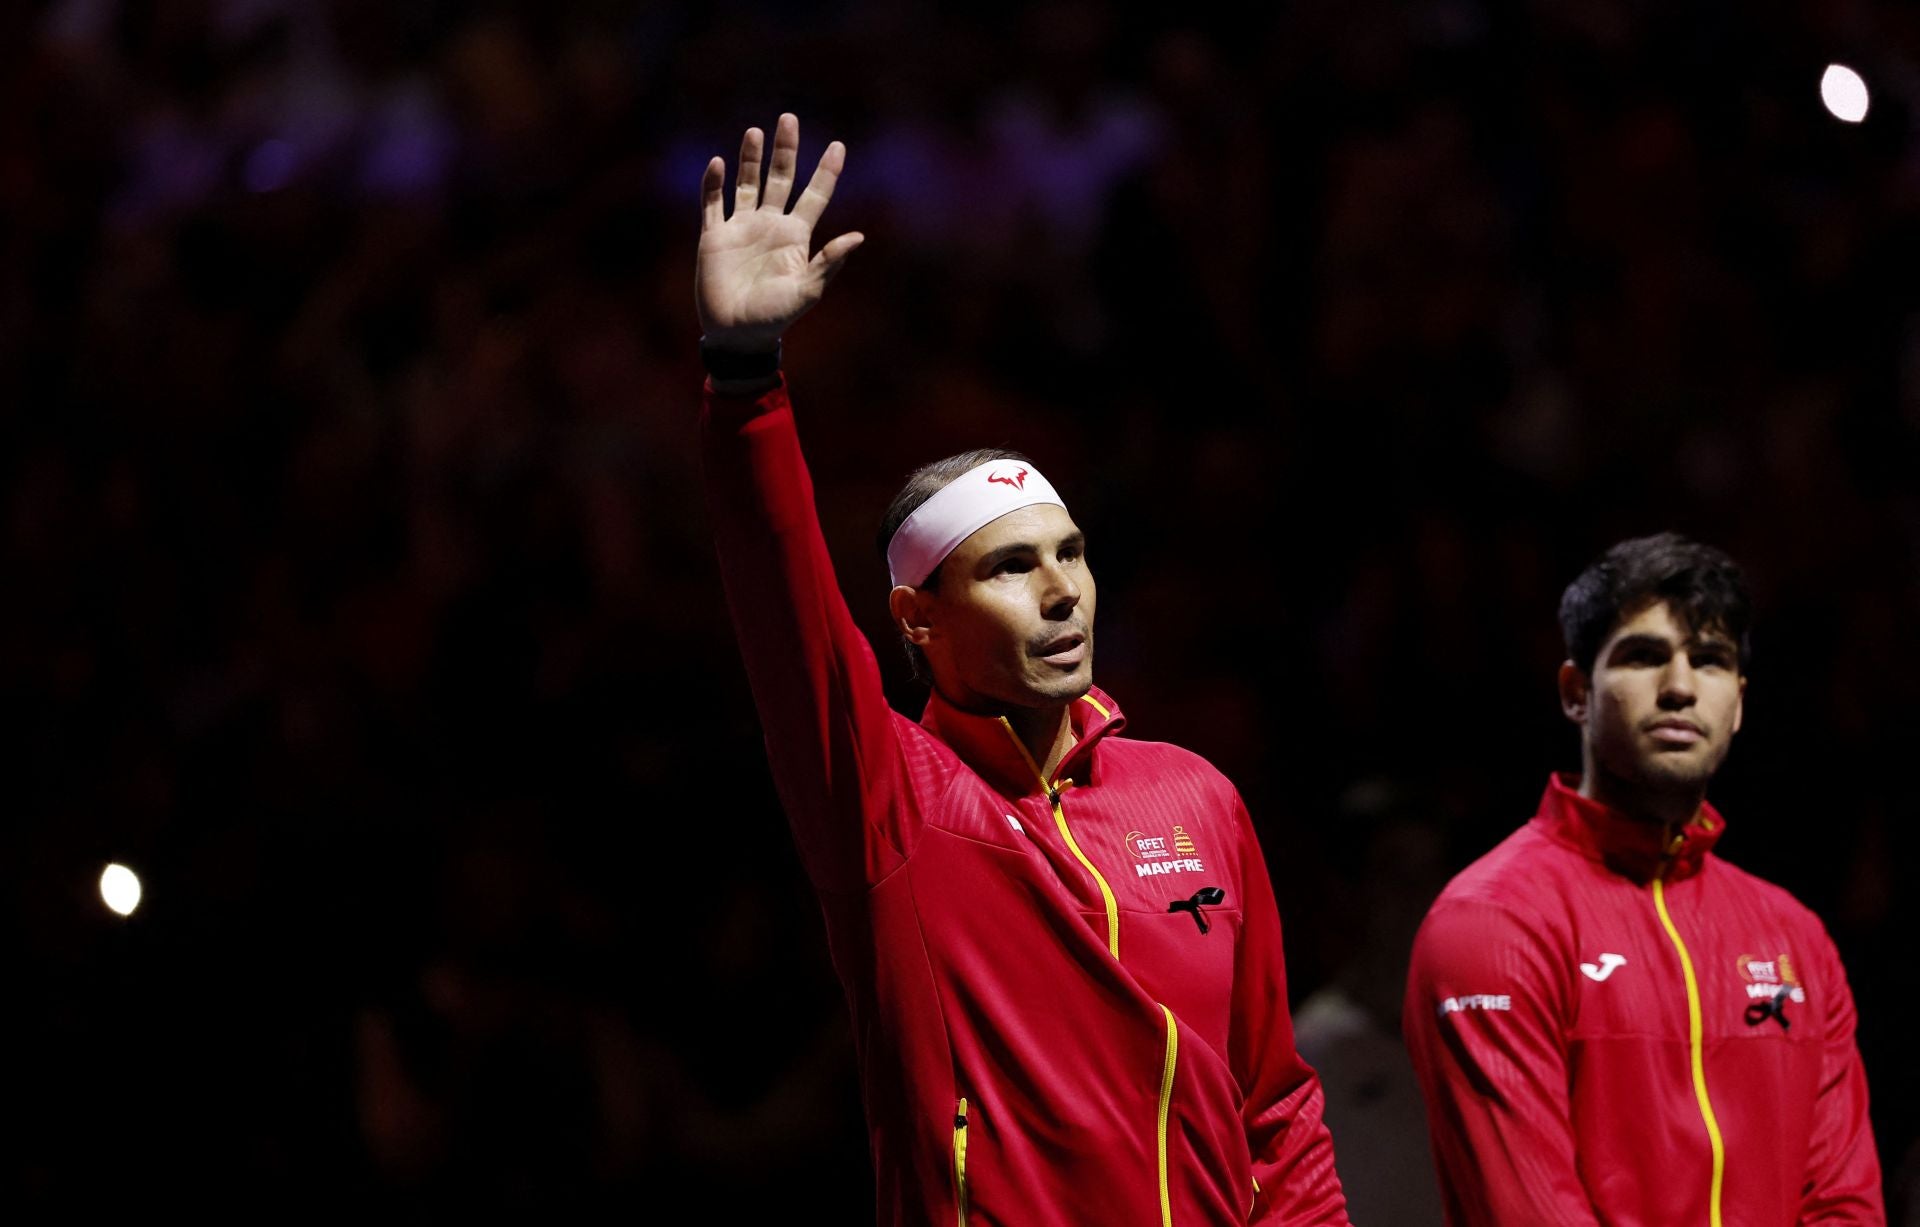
{"x": 1049, "y": 687}
{"x": 1661, "y": 782}
{"x": 1058, "y": 692}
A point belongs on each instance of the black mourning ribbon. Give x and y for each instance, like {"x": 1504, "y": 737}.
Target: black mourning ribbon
{"x": 1206, "y": 896}
{"x": 1773, "y": 1007}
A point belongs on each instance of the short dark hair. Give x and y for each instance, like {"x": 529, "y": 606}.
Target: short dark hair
{"x": 1701, "y": 585}
{"x": 922, "y": 484}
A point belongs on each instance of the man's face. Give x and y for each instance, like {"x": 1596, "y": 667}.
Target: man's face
{"x": 1011, "y": 623}
{"x": 1663, "y": 702}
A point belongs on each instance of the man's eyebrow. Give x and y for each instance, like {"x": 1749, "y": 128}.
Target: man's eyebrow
{"x": 1640, "y": 642}
{"x": 994, "y": 558}
{"x": 1013, "y": 549}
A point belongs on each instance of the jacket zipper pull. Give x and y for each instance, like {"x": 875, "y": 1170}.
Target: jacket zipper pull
{"x": 960, "y": 1162}
{"x": 1206, "y": 896}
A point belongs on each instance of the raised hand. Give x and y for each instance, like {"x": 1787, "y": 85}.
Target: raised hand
{"x": 756, "y": 272}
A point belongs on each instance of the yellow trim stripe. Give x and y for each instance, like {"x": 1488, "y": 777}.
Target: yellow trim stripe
{"x": 1028, "y": 758}
{"x": 1073, "y": 846}
{"x": 1106, "y": 892}
{"x": 960, "y": 1160}
{"x": 1166, "y": 1101}
{"x": 1695, "y": 1043}
{"x": 1095, "y": 704}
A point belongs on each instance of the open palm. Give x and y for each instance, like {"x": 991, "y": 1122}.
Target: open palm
{"x": 756, "y": 272}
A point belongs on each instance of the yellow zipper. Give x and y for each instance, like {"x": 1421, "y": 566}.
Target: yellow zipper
{"x": 1053, "y": 792}
{"x": 1073, "y": 846}
{"x": 960, "y": 1160}
{"x": 1172, "y": 1059}
{"x": 1166, "y": 1102}
{"x": 1694, "y": 1042}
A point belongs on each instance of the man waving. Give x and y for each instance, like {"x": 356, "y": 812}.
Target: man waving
{"x": 1060, "y": 945}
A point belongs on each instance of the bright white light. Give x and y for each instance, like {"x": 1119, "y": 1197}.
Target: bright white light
{"x": 120, "y": 888}
{"x": 1844, "y": 93}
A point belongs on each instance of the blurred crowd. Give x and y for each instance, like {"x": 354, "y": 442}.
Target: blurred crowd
{"x": 359, "y": 592}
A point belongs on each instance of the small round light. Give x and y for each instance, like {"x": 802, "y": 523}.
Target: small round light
{"x": 1844, "y": 93}
{"x": 120, "y": 889}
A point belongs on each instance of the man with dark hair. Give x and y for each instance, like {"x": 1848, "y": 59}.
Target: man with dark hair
{"x": 922, "y": 484}
{"x": 1610, "y": 1022}
{"x": 1059, "y": 945}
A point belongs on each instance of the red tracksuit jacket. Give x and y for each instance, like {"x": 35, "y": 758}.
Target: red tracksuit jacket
{"x": 1040, "y": 1039}
{"x": 1589, "y": 1013}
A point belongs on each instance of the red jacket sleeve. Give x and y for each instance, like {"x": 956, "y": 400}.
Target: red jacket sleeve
{"x": 1843, "y": 1170}
{"x": 1285, "y": 1108}
{"x": 1483, "y": 1025}
{"x": 830, "y": 734}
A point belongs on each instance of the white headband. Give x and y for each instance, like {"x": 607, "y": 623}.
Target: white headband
{"x": 959, "y": 509}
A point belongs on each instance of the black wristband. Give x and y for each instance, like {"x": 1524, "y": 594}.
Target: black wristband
{"x": 733, "y": 364}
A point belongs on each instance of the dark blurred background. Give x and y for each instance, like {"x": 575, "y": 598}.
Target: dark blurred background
{"x": 358, "y": 591}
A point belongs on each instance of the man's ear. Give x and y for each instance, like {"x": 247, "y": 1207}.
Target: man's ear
{"x": 1576, "y": 688}
{"x": 912, "y": 614}
{"x": 1740, "y": 705}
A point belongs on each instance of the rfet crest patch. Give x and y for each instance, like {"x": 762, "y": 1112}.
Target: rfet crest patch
{"x": 1173, "y": 852}
{"x": 1765, "y": 977}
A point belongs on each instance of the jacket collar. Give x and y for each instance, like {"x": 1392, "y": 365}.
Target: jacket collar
{"x": 989, "y": 746}
{"x": 1629, "y": 846}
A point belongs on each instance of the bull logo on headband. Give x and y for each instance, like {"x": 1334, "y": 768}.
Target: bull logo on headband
{"x": 1018, "y": 481}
